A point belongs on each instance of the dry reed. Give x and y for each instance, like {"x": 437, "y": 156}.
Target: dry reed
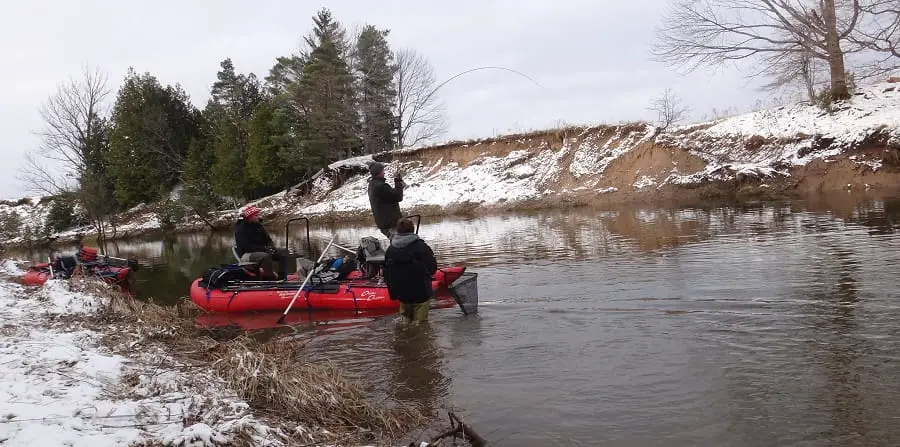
{"x": 270, "y": 376}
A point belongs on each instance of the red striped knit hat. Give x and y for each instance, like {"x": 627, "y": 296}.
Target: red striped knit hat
{"x": 250, "y": 211}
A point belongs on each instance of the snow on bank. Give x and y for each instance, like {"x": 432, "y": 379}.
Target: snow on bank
{"x": 524, "y": 173}
{"x": 61, "y": 387}
{"x": 25, "y": 215}
{"x": 518, "y": 169}
{"x": 11, "y": 267}
{"x": 769, "y": 142}
{"x": 760, "y": 144}
{"x": 872, "y": 108}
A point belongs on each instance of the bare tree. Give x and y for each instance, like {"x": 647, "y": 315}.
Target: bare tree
{"x": 796, "y": 70}
{"x": 419, "y": 116}
{"x": 40, "y": 179}
{"x": 71, "y": 125}
{"x": 712, "y": 32}
{"x": 75, "y": 138}
{"x": 670, "y": 109}
{"x": 879, "y": 32}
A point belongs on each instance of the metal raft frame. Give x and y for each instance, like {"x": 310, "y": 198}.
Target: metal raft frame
{"x": 287, "y": 232}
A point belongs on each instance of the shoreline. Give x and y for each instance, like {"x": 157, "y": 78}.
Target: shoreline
{"x": 83, "y": 364}
{"x": 720, "y": 192}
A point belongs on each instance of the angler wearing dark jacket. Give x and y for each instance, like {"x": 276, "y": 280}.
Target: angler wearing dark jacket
{"x": 253, "y": 243}
{"x": 385, "y": 200}
{"x": 409, "y": 264}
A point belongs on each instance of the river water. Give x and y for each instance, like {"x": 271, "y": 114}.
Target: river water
{"x": 727, "y": 325}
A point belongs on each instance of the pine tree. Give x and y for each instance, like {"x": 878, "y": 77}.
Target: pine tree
{"x": 197, "y": 194}
{"x": 376, "y": 90}
{"x": 271, "y": 142}
{"x": 96, "y": 191}
{"x": 234, "y": 98}
{"x": 152, "y": 128}
{"x": 200, "y": 157}
{"x": 326, "y": 92}
{"x": 284, "y": 74}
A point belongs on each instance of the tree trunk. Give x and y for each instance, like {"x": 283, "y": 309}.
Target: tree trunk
{"x": 807, "y": 70}
{"x": 835, "y": 54}
{"x": 100, "y": 236}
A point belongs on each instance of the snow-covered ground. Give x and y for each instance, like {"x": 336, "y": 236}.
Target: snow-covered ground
{"x": 762, "y": 143}
{"x": 526, "y": 173}
{"x": 60, "y": 387}
{"x": 768, "y": 141}
{"x": 26, "y": 216}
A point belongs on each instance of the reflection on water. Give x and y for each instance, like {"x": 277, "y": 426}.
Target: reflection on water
{"x": 416, "y": 368}
{"x": 734, "y": 325}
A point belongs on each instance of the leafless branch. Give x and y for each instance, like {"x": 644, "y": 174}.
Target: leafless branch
{"x": 879, "y": 31}
{"x": 669, "y": 109}
{"x": 41, "y": 180}
{"x": 699, "y": 33}
{"x": 420, "y": 117}
{"x": 795, "y": 71}
{"x": 70, "y": 119}
{"x": 157, "y": 126}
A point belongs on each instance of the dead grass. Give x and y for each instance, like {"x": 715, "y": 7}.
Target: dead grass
{"x": 11, "y": 330}
{"x": 555, "y": 133}
{"x": 273, "y": 376}
{"x": 270, "y": 376}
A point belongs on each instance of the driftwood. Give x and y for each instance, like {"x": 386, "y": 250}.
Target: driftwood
{"x": 458, "y": 427}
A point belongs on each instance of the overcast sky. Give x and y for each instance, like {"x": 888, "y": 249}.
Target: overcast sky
{"x": 590, "y": 56}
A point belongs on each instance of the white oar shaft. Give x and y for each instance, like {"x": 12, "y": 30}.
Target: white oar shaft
{"x": 308, "y": 275}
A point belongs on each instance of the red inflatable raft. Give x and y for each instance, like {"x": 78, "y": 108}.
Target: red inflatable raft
{"x": 237, "y": 288}
{"x": 86, "y": 262}
{"x": 351, "y": 294}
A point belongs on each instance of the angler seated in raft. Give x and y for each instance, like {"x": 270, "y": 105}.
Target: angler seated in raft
{"x": 256, "y": 248}
{"x": 63, "y": 266}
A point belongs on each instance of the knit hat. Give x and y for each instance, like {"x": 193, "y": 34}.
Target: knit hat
{"x": 376, "y": 168}
{"x": 250, "y": 211}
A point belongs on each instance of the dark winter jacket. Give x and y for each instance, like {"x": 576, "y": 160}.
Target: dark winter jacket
{"x": 250, "y": 237}
{"x": 409, "y": 265}
{"x": 385, "y": 202}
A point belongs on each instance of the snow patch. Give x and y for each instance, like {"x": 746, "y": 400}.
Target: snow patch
{"x": 768, "y": 142}
{"x": 644, "y": 182}
{"x": 60, "y": 386}
{"x": 522, "y": 174}
{"x": 355, "y": 162}
{"x": 11, "y": 267}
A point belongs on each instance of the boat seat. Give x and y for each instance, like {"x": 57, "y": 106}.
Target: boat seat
{"x": 371, "y": 253}
{"x": 372, "y": 250}
{"x": 235, "y": 253}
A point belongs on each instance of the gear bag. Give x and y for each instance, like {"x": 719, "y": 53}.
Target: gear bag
{"x": 220, "y": 277}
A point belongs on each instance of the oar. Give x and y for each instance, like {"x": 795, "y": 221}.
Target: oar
{"x": 308, "y": 275}
{"x": 346, "y": 249}
{"x": 343, "y": 248}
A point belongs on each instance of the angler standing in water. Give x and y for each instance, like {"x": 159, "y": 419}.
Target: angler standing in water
{"x": 409, "y": 265}
{"x": 385, "y": 200}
